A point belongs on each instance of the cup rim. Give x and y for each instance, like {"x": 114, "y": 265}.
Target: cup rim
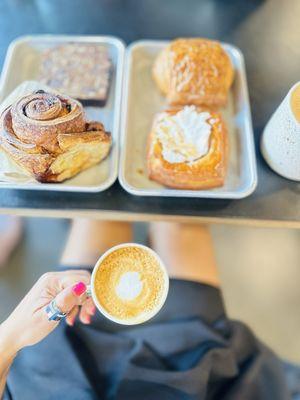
{"x": 292, "y": 115}
{"x": 155, "y": 310}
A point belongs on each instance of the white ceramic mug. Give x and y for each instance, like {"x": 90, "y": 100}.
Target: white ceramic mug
{"x": 280, "y": 143}
{"x": 91, "y": 289}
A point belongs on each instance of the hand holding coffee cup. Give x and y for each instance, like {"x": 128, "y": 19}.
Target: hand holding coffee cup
{"x": 129, "y": 284}
{"x": 29, "y": 323}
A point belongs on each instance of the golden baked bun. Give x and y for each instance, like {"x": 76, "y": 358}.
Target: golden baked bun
{"x": 48, "y": 135}
{"x": 187, "y": 149}
{"x": 194, "y": 71}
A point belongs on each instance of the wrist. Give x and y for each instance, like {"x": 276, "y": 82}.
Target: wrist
{"x": 8, "y": 345}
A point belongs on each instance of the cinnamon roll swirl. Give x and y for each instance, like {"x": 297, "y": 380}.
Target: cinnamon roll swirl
{"x": 48, "y": 135}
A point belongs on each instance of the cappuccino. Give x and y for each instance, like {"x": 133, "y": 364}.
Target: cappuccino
{"x": 130, "y": 284}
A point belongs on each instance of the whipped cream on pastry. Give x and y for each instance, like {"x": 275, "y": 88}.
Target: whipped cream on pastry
{"x": 184, "y": 136}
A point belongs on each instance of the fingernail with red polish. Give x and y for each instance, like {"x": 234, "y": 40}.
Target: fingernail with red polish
{"x": 79, "y": 288}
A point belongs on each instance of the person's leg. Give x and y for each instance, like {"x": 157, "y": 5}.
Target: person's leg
{"x": 187, "y": 251}
{"x": 88, "y": 239}
{"x": 11, "y": 230}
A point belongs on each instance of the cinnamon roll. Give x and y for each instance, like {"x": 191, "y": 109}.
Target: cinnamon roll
{"x": 48, "y": 135}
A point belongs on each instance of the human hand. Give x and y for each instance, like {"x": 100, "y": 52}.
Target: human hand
{"x": 28, "y": 324}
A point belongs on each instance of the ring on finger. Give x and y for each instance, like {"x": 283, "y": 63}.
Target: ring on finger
{"x": 54, "y": 313}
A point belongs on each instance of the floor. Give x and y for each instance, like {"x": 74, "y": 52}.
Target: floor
{"x": 260, "y": 272}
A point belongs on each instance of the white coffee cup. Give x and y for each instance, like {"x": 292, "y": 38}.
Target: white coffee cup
{"x": 280, "y": 143}
{"x": 134, "y": 321}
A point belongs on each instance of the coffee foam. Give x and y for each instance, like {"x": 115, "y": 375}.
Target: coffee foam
{"x": 295, "y": 102}
{"x": 130, "y": 284}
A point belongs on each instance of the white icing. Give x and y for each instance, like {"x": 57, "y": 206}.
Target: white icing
{"x": 184, "y": 136}
{"x": 129, "y": 286}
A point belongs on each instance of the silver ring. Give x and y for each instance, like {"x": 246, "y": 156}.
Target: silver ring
{"x": 53, "y": 312}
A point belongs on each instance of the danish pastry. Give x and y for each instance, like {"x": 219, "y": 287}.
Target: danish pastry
{"x": 48, "y": 136}
{"x": 187, "y": 148}
{"x": 194, "y": 71}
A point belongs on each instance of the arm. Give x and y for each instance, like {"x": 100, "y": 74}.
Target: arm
{"x": 28, "y": 324}
{"x": 7, "y": 355}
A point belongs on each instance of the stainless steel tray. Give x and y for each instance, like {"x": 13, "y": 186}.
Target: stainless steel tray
{"x": 142, "y": 99}
{"x": 22, "y": 63}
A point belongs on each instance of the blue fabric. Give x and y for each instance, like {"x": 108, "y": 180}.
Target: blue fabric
{"x": 189, "y": 351}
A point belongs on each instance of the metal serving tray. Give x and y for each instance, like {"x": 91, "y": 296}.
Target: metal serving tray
{"x": 142, "y": 99}
{"x": 22, "y": 63}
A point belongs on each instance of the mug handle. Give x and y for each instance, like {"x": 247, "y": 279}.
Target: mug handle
{"x": 88, "y": 291}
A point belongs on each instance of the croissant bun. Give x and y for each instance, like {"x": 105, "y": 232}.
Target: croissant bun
{"x": 48, "y": 135}
{"x": 194, "y": 71}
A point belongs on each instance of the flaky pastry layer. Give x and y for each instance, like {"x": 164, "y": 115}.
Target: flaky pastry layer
{"x": 48, "y": 136}
{"x": 207, "y": 172}
{"x": 194, "y": 71}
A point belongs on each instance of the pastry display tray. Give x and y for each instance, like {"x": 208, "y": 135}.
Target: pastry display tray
{"x": 22, "y": 63}
{"x": 142, "y": 99}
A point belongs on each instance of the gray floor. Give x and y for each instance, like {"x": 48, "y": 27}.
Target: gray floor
{"x": 260, "y": 271}
{"x": 38, "y": 252}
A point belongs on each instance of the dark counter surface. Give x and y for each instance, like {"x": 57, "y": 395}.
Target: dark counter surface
{"x": 267, "y": 32}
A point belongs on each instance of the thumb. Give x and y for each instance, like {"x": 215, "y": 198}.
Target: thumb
{"x": 70, "y": 297}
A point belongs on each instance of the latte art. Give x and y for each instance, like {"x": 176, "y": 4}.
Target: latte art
{"x": 130, "y": 284}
